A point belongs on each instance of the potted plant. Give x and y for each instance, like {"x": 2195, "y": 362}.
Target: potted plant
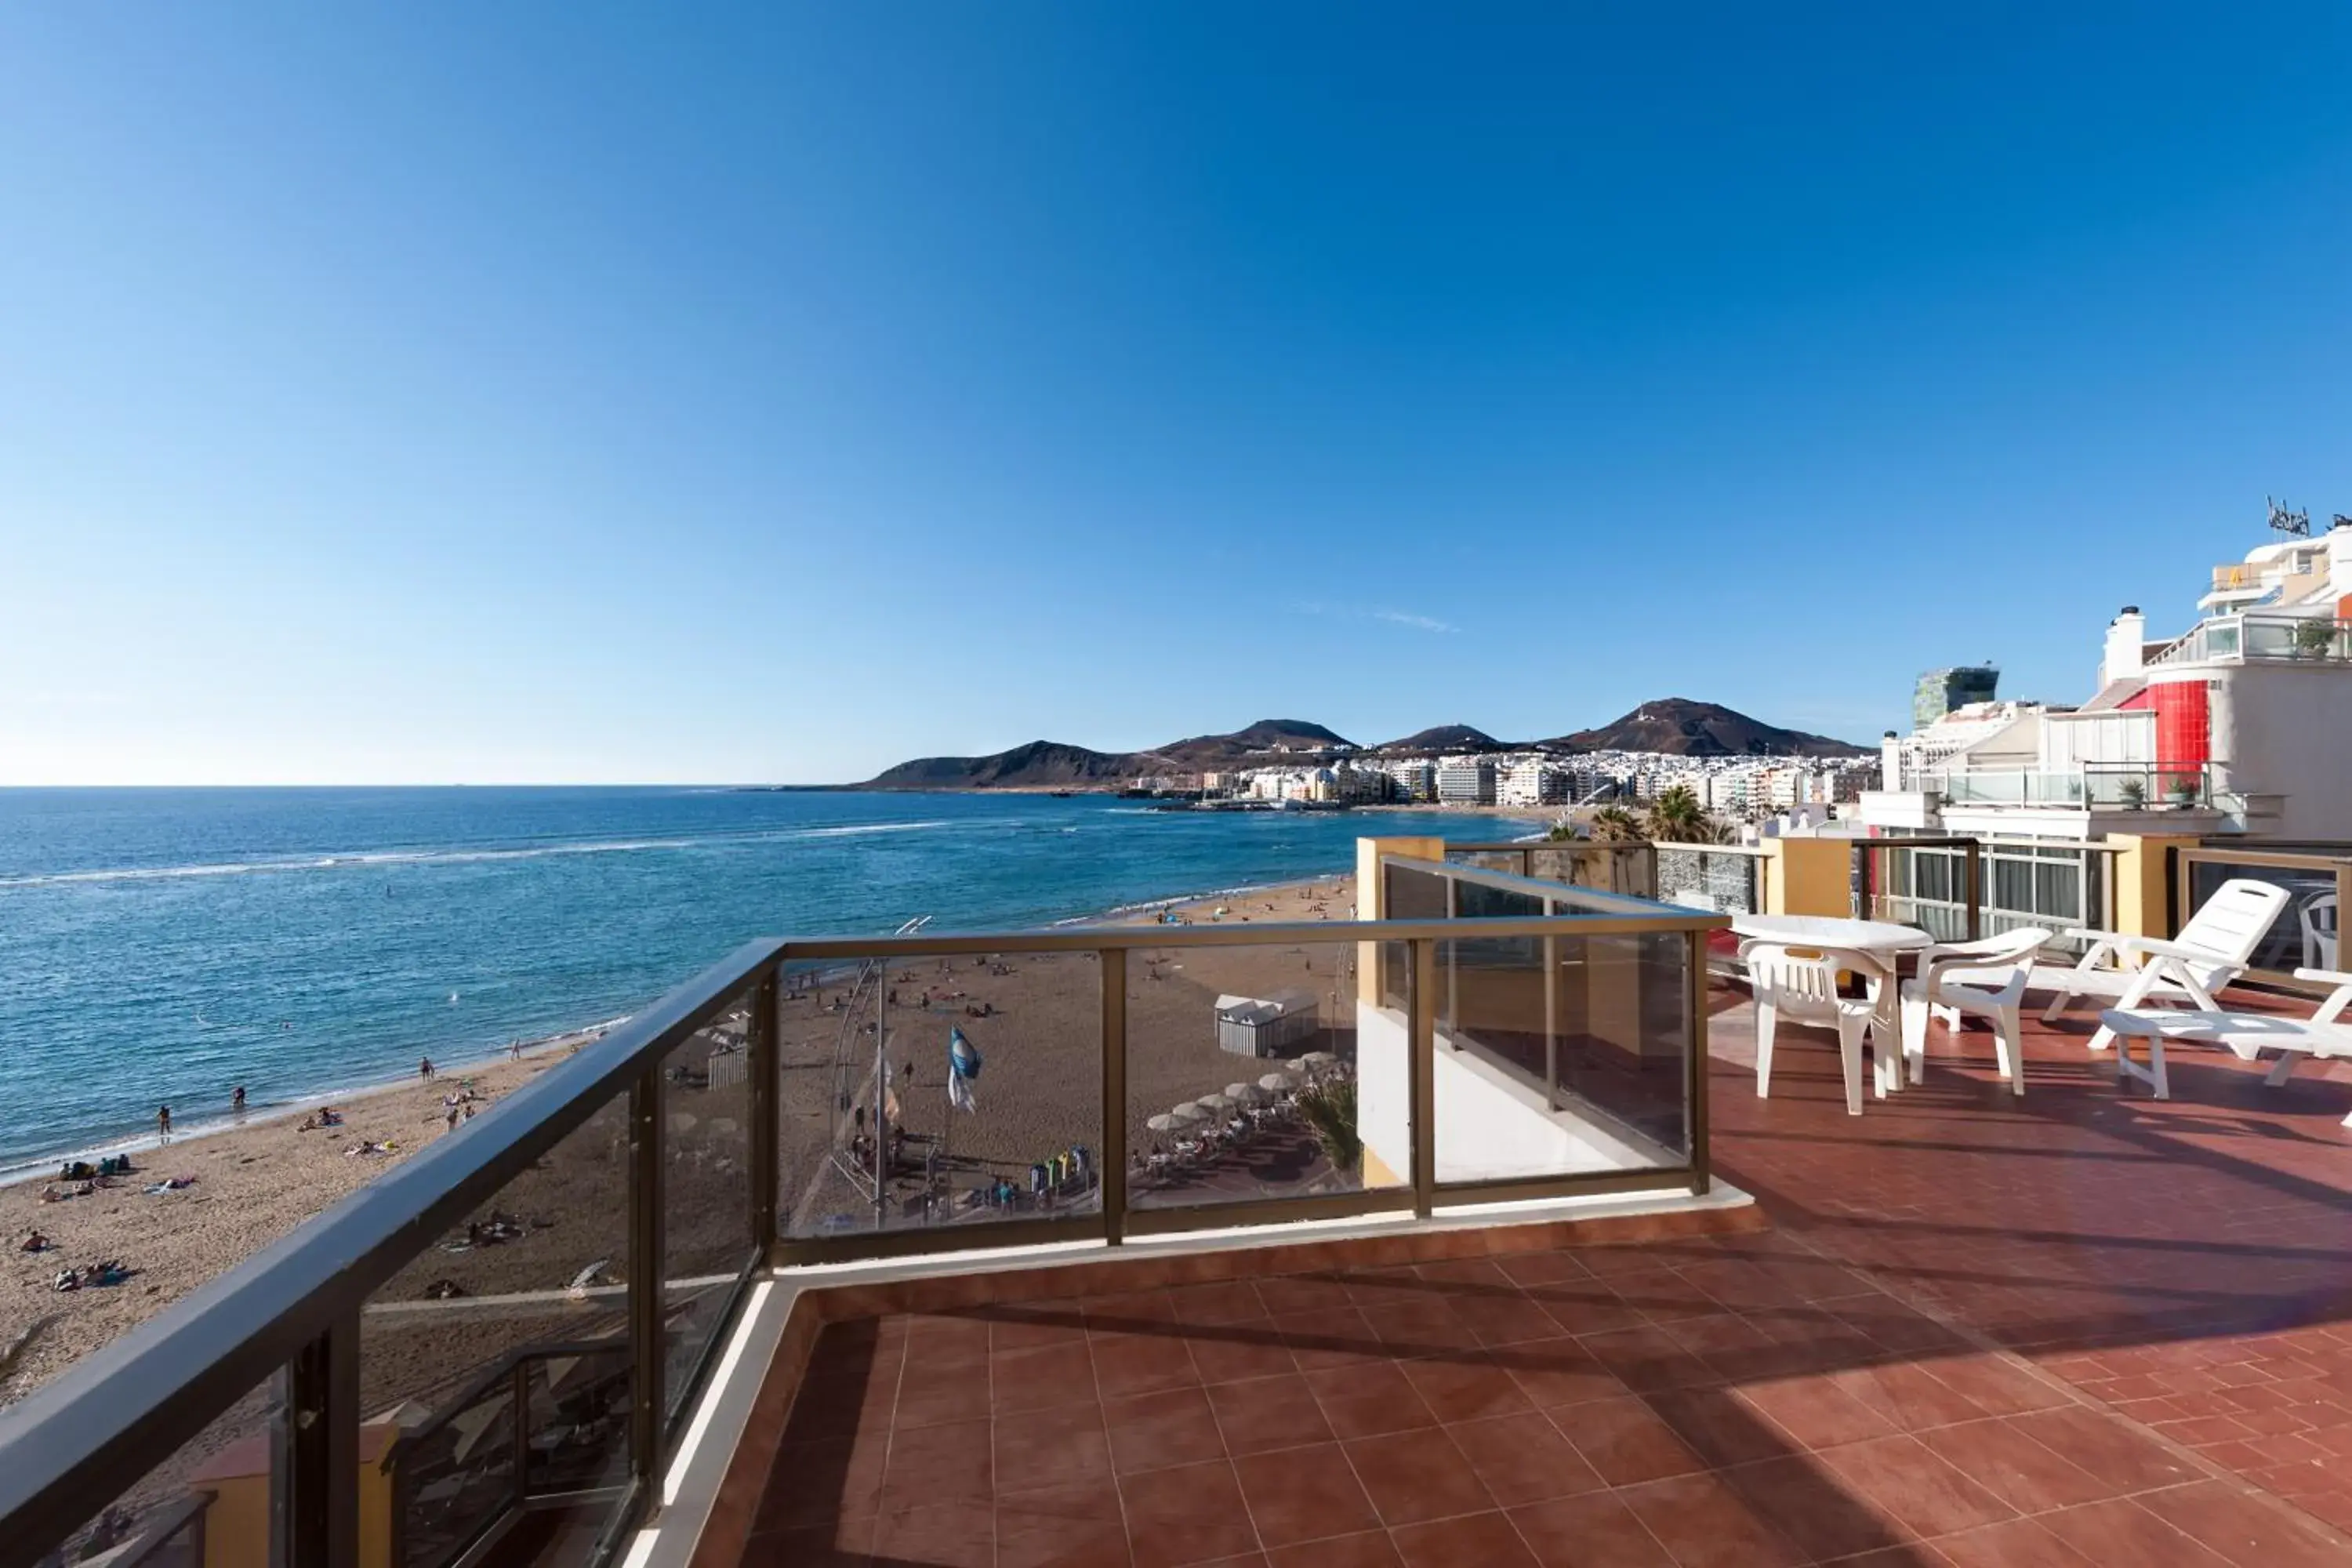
{"x": 2183, "y": 789}
{"x": 2134, "y": 793}
{"x": 2315, "y": 639}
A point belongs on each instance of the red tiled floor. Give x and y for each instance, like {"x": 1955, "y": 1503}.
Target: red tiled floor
{"x": 2078, "y": 1327}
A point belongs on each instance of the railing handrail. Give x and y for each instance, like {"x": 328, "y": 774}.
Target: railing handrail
{"x": 1755, "y": 851}
{"x": 130, "y": 1405}
{"x": 1579, "y": 845}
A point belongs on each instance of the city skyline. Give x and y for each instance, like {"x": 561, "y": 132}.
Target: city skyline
{"x": 774, "y": 397}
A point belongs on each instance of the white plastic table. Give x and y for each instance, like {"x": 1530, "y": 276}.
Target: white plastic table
{"x": 1882, "y": 941}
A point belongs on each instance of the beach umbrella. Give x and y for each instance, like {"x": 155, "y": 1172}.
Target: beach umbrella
{"x": 1320, "y": 1060}
{"x": 1163, "y": 1123}
{"x": 1275, "y": 1082}
{"x": 1188, "y": 1111}
{"x": 1245, "y": 1093}
{"x": 1215, "y": 1104}
{"x": 1296, "y": 1064}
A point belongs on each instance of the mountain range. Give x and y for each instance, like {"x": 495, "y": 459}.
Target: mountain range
{"x": 1675, "y": 726}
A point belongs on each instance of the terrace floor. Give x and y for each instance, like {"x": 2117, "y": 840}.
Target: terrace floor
{"x": 2081, "y": 1327}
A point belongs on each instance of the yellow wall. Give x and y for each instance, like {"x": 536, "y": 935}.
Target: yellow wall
{"x": 2142, "y": 887}
{"x": 1368, "y": 900}
{"x": 238, "y": 1522}
{"x": 1808, "y": 875}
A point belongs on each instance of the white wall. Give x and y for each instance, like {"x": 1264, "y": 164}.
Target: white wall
{"x": 1490, "y": 1125}
{"x": 2286, "y": 730}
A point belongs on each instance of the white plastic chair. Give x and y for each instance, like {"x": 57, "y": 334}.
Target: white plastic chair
{"x": 1986, "y": 977}
{"x": 1802, "y": 983}
{"x": 2212, "y": 949}
{"x": 2319, "y": 931}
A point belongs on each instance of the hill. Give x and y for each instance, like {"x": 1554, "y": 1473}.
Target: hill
{"x": 1052, "y": 764}
{"x": 1448, "y": 738}
{"x": 1680, "y": 727}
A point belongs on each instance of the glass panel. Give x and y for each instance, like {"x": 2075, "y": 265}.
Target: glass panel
{"x": 1609, "y": 867}
{"x": 1505, "y": 860}
{"x": 217, "y": 1499}
{"x": 520, "y": 1308}
{"x": 1477, "y": 902}
{"x": 1696, "y": 880}
{"x": 1245, "y": 1073}
{"x": 2303, "y": 933}
{"x": 1563, "y": 1055}
{"x": 1025, "y": 1145}
{"x": 1407, "y": 894}
{"x": 706, "y": 1189}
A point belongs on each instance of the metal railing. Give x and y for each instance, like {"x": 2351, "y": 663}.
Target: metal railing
{"x": 2062, "y": 887}
{"x": 2092, "y": 787}
{"x": 1724, "y": 876}
{"x": 363, "y": 1317}
{"x": 1609, "y": 866}
{"x": 2256, "y": 635}
{"x": 2306, "y": 932}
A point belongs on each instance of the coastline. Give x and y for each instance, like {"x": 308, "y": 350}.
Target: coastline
{"x": 256, "y": 1178}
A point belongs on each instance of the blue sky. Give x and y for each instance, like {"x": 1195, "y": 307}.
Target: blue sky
{"x": 543, "y": 393}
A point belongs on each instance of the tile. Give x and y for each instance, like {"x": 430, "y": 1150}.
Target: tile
{"x": 1557, "y": 1371}
{"x": 1420, "y": 1329}
{"x": 1910, "y": 1486}
{"x": 1997, "y": 1387}
{"x": 1703, "y": 1524}
{"x": 931, "y": 1395}
{"x": 2008, "y": 1463}
{"x": 2107, "y": 1447}
{"x": 1367, "y": 1400}
{"x": 1369, "y": 1549}
{"x": 1416, "y": 1476}
{"x": 1229, "y": 1353}
{"x": 938, "y": 1465}
{"x": 944, "y": 1535}
{"x": 1662, "y": 1295}
{"x": 2020, "y": 1543}
{"x": 1489, "y": 1539}
{"x": 1718, "y": 1425}
{"x": 945, "y": 1341}
{"x": 1907, "y": 1397}
{"x": 2240, "y": 1527}
{"x": 1268, "y": 1413}
{"x": 1288, "y": 1293}
{"x": 1194, "y": 1513}
{"x": 1305, "y": 1494}
{"x": 1329, "y": 1337}
{"x": 2119, "y": 1530}
{"x": 1064, "y": 1444}
{"x": 1154, "y": 1431}
{"x": 1547, "y": 1268}
{"x": 813, "y": 1483}
{"x": 1812, "y": 1508}
{"x": 1505, "y": 1320}
{"x": 1069, "y": 1526}
{"x": 1226, "y": 1301}
{"x": 1647, "y": 1357}
{"x": 1625, "y": 1441}
{"x": 1141, "y": 1364}
{"x": 1592, "y": 1532}
{"x": 1523, "y": 1458}
{"x": 1035, "y": 1378}
{"x": 1466, "y": 1387}
{"x": 1816, "y": 1411}
{"x": 847, "y": 1544}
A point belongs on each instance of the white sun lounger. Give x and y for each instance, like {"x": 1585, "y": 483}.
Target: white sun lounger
{"x": 2322, "y": 1035}
{"x": 2212, "y": 949}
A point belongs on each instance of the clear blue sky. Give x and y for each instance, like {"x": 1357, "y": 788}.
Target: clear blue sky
{"x": 520, "y": 393}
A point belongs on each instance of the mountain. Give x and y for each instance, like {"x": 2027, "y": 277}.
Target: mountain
{"x": 1455, "y": 739}
{"x": 1680, "y": 727}
{"x": 1051, "y": 765}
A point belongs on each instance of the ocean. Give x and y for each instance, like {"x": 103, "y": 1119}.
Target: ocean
{"x": 164, "y": 946}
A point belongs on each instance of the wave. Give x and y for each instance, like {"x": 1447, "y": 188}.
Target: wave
{"x": 371, "y": 858}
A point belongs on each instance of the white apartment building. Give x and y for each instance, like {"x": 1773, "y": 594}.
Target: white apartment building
{"x": 1466, "y": 781}
{"x": 2239, "y": 725}
{"x": 1415, "y": 780}
{"x": 1531, "y": 781}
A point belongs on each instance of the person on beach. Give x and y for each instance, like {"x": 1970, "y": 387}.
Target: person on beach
{"x": 514, "y": 1052}
{"x": 236, "y": 1101}
{"x": 425, "y": 1069}
{"x": 163, "y": 1124}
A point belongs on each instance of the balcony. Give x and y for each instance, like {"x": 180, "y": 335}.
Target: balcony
{"x": 1964, "y": 1327}
{"x": 2094, "y": 787}
{"x": 2257, "y": 637}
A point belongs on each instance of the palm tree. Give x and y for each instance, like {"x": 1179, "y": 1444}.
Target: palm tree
{"x": 1676, "y": 817}
{"x": 1613, "y": 824}
{"x": 1331, "y": 1111}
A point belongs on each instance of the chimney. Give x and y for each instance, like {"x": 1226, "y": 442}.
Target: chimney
{"x": 2127, "y": 636}
{"x": 1890, "y": 763}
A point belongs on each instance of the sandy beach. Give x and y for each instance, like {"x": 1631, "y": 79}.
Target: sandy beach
{"x": 1039, "y": 1093}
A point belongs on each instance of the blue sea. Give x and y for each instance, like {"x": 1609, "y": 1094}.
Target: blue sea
{"x": 162, "y": 946}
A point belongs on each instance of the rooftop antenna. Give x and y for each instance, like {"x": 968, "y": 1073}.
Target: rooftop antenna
{"x": 2295, "y": 523}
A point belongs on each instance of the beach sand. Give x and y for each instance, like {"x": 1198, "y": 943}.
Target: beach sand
{"x": 1038, "y": 1093}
